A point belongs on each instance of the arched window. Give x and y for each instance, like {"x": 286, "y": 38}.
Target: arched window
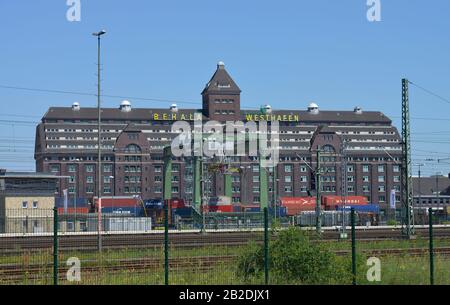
{"x": 133, "y": 149}
{"x": 328, "y": 149}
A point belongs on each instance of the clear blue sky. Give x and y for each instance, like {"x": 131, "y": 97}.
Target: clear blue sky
{"x": 285, "y": 53}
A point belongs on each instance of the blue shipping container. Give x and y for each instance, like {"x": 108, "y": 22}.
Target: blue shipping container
{"x": 370, "y": 208}
{"x": 81, "y": 202}
{"x": 132, "y": 211}
{"x": 154, "y": 204}
{"x": 183, "y": 212}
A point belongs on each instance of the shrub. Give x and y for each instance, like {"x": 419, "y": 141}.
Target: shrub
{"x": 293, "y": 259}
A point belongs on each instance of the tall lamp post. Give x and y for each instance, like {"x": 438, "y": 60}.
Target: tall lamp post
{"x": 99, "y": 148}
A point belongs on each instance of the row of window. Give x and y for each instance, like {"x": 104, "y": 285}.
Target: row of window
{"x": 34, "y": 205}
{"x": 224, "y": 112}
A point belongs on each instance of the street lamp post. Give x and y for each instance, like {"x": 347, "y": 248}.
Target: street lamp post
{"x": 99, "y": 161}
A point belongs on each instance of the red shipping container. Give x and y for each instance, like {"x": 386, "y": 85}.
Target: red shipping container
{"x": 177, "y": 204}
{"x": 81, "y": 210}
{"x": 221, "y": 209}
{"x": 108, "y": 202}
{"x": 333, "y": 201}
{"x": 297, "y": 201}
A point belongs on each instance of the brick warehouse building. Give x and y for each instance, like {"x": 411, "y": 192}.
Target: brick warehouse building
{"x": 365, "y": 143}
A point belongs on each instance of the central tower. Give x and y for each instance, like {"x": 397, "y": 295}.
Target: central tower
{"x": 222, "y": 97}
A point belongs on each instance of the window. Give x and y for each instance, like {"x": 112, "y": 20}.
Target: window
{"x": 255, "y": 179}
{"x": 288, "y": 168}
{"x": 175, "y": 168}
{"x": 236, "y": 189}
{"x": 132, "y": 149}
{"x": 303, "y": 179}
{"x": 35, "y": 204}
{"x": 72, "y": 168}
{"x": 236, "y": 179}
{"x": 158, "y": 189}
{"x": 366, "y": 188}
{"x": 158, "y": 179}
{"x": 175, "y": 189}
{"x": 54, "y": 168}
{"x": 380, "y": 178}
{"x": 303, "y": 189}
{"x": 89, "y": 168}
{"x": 396, "y": 178}
{"x": 381, "y": 168}
{"x": 106, "y": 179}
{"x": 24, "y": 204}
{"x": 89, "y": 189}
{"x": 381, "y": 189}
{"x": 256, "y": 189}
{"x": 288, "y": 179}
{"x": 72, "y": 179}
{"x": 350, "y": 179}
{"x": 365, "y": 168}
{"x": 107, "y": 168}
{"x": 350, "y": 188}
{"x": 256, "y": 168}
{"x": 396, "y": 168}
{"x": 89, "y": 179}
{"x": 350, "y": 168}
{"x": 256, "y": 199}
{"x": 236, "y": 199}
{"x": 288, "y": 189}
{"x": 365, "y": 179}
{"x": 381, "y": 198}
{"x": 158, "y": 169}
{"x": 107, "y": 190}
{"x": 303, "y": 169}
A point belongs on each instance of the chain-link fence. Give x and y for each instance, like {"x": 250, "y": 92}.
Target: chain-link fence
{"x": 214, "y": 248}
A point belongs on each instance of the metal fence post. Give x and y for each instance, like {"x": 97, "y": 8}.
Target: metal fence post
{"x": 430, "y": 231}
{"x": 353, "y": 246}
{"x": 266, "y": 246}
{"x": 166, "y": 242}
{"x": 55, "y": 246}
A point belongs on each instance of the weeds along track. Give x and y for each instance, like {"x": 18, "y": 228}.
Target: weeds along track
{"x": 42, "y": 273}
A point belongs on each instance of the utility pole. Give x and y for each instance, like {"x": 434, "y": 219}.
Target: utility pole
{"x": 99, "y": 141}
{"x": 407, "y": 190}
{"x": 318, "y": 195}
{"x": 343, "y": 234}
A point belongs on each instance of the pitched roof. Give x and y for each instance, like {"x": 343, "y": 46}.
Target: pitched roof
{"x": 428, "y": 185}
{"x": 221, "y": 82}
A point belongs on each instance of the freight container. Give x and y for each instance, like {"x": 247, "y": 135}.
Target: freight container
{"x": 81, "y": 210}
{"x": 221, "y": 209}
{"x": 80, "y": 202}
{"x": 182, "y": 212}
{"x": 177, "y": 203}
{"x": 330, "y": 202}
{"x": 237, "y": 208}
{"x": 125, "y": 201}
{"x": 119, "y": 224}
{"x": 328, "y": 218}
{"x": 281, "y": 211}
{"x": 132, "y": 211}
{"x": 154, "y": 204}
{"x": 251, "y": 208}
{"x": 220, "y": 200}
{"x": 370, "y": 208}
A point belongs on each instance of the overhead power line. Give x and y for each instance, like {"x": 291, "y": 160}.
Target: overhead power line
{"x": 431, "y": 93}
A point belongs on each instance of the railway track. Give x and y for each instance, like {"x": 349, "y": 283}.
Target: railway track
{"x": 130, "y": 241}
{"x": 16, "y": 273}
